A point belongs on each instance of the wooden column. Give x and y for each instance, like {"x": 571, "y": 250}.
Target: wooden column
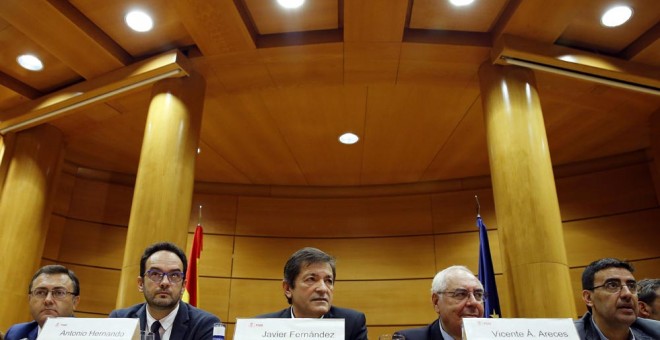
{"x": 529, "y": 223}
{"x": 654, "y": 152}
{"x": 6, "y": 148}
{"x": 33, "y": 163}
{"x": 164, "y": 185}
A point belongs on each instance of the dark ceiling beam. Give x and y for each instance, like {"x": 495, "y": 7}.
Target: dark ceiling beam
{"x": 77, "y": 42}
{"x": 72, "y": 99}
{"x": 412, "y": 35}
{"x": 576, "y": 63}
{"x": 642, "y": 43}
{"x": 19, "y": 87}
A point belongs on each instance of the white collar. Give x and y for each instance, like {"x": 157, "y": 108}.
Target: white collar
{"x": 445, "y": 335}
{"x": 166, "y": 322}
{"x": 293, "y": 316}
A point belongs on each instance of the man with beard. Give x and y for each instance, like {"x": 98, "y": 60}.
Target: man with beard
{"x": 610, "y": 292}
{"x": 455, "y": 294}
{"x": 54, "y": 292}
{"x": 162, "y": 281}
{"x": 308, "y": 284}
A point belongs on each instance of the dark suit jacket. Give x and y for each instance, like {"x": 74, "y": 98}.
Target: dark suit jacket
{"x": 430, "y": 332}
{"x": 190, "y": 323}
{"x": 355, "y": 324}
{"x": 23, "y": 330}
{"x": 643, "y": 329}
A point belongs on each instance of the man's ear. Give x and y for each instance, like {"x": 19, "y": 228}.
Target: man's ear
{"x": 287, "y": 289}
{"x": 644, "y": 310}
{"x": 435, "y": 300}
{"x": 140, "y": 282}
{"x": 76, "y": 300}
{"x": 586, "y": 296}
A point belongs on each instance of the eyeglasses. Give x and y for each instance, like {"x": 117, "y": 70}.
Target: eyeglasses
{"x": 157, "y": 276}
{"x": 616, "y": 286}
{"x": 57, "y": 293}
{"x": 462, "y": 294}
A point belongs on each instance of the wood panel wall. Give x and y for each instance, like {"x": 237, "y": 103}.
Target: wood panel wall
{"x": 388, "y": 247}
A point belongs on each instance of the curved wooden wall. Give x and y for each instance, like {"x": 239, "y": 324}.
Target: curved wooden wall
{"x": 388, "y": 246}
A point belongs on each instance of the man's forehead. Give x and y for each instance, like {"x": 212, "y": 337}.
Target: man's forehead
{"x": 463, "y": 280}
{"x": 163, "y": 258}
{"x": 52, "y": 280}
{"x": 316, "y": 268}
{"x": 613, "y": 273}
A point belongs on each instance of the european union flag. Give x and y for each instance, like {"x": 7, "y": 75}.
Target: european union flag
{"x": 487, "y": 274}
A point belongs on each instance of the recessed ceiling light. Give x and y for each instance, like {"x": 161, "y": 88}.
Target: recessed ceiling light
{"x": 30, "y": 62}
{"x": 349, "y": 138}
{"x": 616, "y": 16}
{"x": 291, "y": 3}
{"x": 461, "y": 2}
{"x": 139, "y": 21}
{"x": 569, "y": 58}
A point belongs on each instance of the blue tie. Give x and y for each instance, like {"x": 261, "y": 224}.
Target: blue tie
{"x": 155, "y": 328}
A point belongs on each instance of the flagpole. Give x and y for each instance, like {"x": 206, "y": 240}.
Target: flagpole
{"x": 478, "y": 206}
{"x": 486, "y": 272}
{"x": 191, "y": 293}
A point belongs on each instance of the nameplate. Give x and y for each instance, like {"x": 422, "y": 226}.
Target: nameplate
{"x": 296, "y": 329}
{"x": 510, "y": 329}
{"x": 91, "y": 328}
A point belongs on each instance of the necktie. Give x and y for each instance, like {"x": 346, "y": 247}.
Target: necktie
{"x": 155, "y": 328}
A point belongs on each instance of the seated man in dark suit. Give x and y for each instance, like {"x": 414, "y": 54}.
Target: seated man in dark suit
{"x": 163, "y": 271}
{"x": 456, "y": 294}
{"x": 649, "y": 302}
{"x": 610, "y": 292}
{"x": 54, "y": 292}
{"x": 309, "y": 281}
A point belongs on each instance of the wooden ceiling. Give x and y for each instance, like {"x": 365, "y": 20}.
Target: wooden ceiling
{"x": 283, "y": 85}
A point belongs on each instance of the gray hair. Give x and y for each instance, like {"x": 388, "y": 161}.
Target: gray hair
{"x": 646, "y": 290}
{"x": 440, "y": 280}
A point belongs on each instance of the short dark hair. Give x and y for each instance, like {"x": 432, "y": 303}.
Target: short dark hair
{"x": 646, "y": 290}
{"x": 305, "y": 257}
{"x": 589, "y": 273}
{"x": 57, "y": 269}
{"x": 166, "y": 246}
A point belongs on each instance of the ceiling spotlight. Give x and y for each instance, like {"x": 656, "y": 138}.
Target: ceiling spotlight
{"x": 30, "y": 62}
{"x": 348, "y": 138}
{"x": 291, "y": 3}
{"x": 616, "y": 16}
{"x": 139, "y": 21}
{"x": 568, "y": 58}
{"x": 460, "y": 3}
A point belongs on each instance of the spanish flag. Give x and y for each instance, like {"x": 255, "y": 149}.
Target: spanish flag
{"x": 192, "y": 276}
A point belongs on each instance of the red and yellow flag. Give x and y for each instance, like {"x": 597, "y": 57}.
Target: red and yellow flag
{"x": 192, "y": 276}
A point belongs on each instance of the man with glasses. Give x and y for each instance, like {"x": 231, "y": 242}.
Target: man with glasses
{"x": 162, "y": 281}
{"x": 649, "y": 304}
{"x": 456, "y": 294}
{"x": 54, "y": 292}
{"x": 610, "y": 292}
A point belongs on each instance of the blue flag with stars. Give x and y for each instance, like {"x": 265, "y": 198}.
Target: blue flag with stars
{"x": 487, "y": 274}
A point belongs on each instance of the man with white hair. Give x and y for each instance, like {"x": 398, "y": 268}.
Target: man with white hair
{"x": 456, "y": 294}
